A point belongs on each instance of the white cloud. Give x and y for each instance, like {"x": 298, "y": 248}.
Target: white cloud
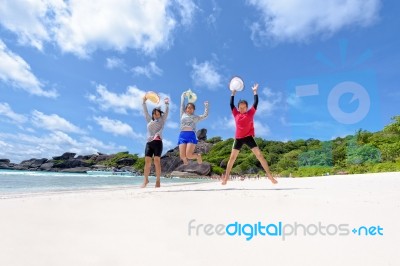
{"x": 215, "y": 13}
{"x": 168, "y": 145}
{"x": 132, "y": 99}
{"x": 294, "y": 101}
{"x": 16, "y": 71}
{"x": 117, "y": 127}
{"x": 186, "y": 10}
{"x": 81, "y": 27}
{"x": 299, "y": 20}
{"x": 53, "y": 122}
{"x": 4, "y": 145}
{"x": 28, "y": 20}
{"x": 148, "y": 70}
{"x": 120, "y": 103}
{"x": 114, "y": 62}
{"x": 314, "y": 125}
{"x": 172, "y": 124}
{"x": 6, "y": 110}
{"x": 224, "y": 123}
{"x": 118, "y": 25}
{"x": 205, "y": 74}
{"x": 273, "y": 101}
{"x": 18, "y": 147}
{"x": 261, "y": 129}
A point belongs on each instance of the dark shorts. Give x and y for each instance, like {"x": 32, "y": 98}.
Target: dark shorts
{"x": 153, "y": 147}
{"x": 249, "y": 141}
{"x": 186, "y": 137}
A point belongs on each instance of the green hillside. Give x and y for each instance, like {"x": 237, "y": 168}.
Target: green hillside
{"x": 363, "y": 152}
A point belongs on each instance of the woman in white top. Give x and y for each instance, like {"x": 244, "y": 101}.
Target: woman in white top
{"x": 187, "y": 138}
{"x": 154, "y": 145}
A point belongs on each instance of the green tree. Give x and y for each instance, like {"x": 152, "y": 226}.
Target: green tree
{"x": 362, "y": 154}
{"x": 214, "y": 140}
{"x": 363, "y": 136}
{"x": 313, "y": 144}
{"x": 394, "y": 127}
{"x": 317, "y": 157}
{"x": 139, "y": 164}
{"x": 390, "y": 152}
{"x": 113, "y": 162}
{"x": 339, "y": 153}
{"x": 289, "y": 160}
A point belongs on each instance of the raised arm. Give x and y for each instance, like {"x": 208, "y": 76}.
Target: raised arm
{"x": 232, "y": 103}
{"x": 147, "y": 116}
{"x": 255, "y": 88}
{"x": 204, "y": 116}
{"x": 183, "y": 103}
{"x": 165, "y": 116}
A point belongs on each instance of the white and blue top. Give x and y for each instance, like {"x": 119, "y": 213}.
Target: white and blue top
{"x": 189, "y": 121}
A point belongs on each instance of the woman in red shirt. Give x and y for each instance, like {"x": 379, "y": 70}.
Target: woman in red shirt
{"x": 244, "y": 120}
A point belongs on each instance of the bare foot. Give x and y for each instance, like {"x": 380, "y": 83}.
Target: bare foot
{"x": 224, "y": 180}
{"x": 185, "y": 161}
{"x": 158, "y": 184}
{"x": 199, "y": 159}
{"x": 273, "y": 180}
{"x": 145, "y": 182}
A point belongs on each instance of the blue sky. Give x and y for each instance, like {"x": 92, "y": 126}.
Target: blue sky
{"x": 72, "y": 73}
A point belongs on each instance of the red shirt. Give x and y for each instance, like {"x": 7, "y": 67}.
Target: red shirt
{"x": 244, "y": 123}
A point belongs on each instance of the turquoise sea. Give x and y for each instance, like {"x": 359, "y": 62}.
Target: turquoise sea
{"x": 13, "y": 182}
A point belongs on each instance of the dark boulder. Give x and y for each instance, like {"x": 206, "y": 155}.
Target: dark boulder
{"x": 5, "y": 164}
{"x": 99, "y": 158}
{"x": 32, "y": 163}
{"x": 46, "y": 166}
{"x": 72, "y": 163}
{"x": 202, "y": 147}
{"x": 6, "y": 161}
{"x": 223, "y": 163}
{"x": 65, "y": 156}
{"x": 169, "y": 161}
{"x": 76, "y": 170}
{"x": 84, "y": 157}
{"x": 201, "y": 134}
{"x": 193, "y": 167}
{"x": 126, "y": 162}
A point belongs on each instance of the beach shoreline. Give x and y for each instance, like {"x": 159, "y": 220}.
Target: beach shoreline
{"x": 133, "y": 226}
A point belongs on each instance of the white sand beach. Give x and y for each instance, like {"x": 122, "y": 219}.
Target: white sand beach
{"x": 151, "y": 226}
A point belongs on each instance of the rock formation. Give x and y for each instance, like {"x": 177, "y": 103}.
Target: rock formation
{"x": 171, "y": 163}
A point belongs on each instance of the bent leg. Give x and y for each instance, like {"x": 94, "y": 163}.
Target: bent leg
{"x": 190, "y": 153}
{"x": 264, "y": 164}
{"x": 182, "y": 153}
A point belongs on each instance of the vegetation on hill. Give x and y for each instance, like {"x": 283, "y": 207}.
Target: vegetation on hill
{"x": 363, "y": 152}
{"x": 359, "y": 153}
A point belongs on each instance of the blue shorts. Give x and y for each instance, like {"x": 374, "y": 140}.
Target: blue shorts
{"x": 186, "y": 137}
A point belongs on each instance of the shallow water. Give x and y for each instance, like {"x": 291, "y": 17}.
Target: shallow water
{"x": 23, "y": 182}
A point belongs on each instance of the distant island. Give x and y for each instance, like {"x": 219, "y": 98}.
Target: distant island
{"x": 363, "y": 152}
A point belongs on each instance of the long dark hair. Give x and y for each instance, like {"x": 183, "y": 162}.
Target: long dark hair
{"x": 157, "y": 109}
